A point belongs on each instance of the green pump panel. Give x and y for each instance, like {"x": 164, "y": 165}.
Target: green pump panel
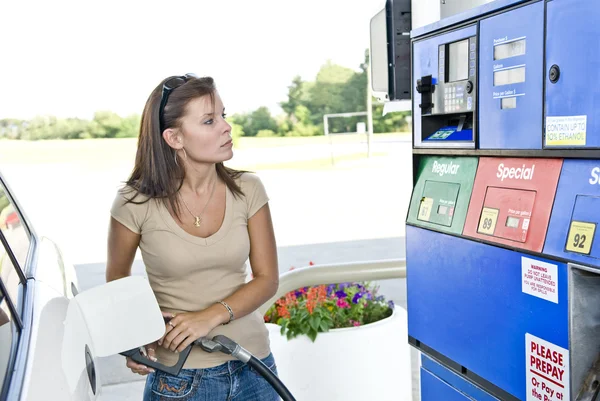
{"x": 442, "y": 192}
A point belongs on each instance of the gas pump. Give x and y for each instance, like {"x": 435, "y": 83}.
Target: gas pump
{"x": 502, "y": 248}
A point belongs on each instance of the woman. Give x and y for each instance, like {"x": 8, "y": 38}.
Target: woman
{"x": 196, "y": 223}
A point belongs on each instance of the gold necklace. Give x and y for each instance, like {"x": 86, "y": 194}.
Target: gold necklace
{"x": 198, "y": 219}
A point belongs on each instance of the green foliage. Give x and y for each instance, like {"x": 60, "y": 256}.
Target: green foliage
{"x": 259, "y": 119}
{"x": 105, "y": 124}
{"x": 295, "y": 96}
{"x": 236, "y": 132}
{"x": 393, "y": 122}
{"x": 302, "y": 129}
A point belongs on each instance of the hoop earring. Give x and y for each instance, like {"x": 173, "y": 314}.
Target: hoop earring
{"x": 184, "y": 154}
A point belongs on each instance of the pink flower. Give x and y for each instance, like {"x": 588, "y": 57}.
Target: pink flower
{"x": 355, "y": 323}
{"x": 341, "y": 302}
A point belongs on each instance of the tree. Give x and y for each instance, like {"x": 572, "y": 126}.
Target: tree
{"x": 109, "y": 124}
{"x": 295, "y": 96}
{"x": 259, "y": 119}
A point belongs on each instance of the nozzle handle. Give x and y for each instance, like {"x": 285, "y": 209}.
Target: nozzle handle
{"x": 136, "y": 355}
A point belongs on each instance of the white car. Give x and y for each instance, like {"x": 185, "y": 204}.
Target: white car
{"x": 49, "y": 338}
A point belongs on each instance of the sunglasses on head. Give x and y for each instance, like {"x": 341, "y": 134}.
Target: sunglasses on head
{"x": 169, "y": 86}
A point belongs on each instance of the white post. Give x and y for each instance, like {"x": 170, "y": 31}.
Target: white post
{"x": 369, "y": 110}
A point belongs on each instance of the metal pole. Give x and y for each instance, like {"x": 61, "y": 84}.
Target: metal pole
{"x": 326, "y": 129}
{"x": 369, "y": 110}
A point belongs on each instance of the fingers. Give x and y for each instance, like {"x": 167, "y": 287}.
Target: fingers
{"x": 174, "y": 338}
{"x": 169, "y": 340}
{"x": 168, "y": 315}
{"x": 138, "y": 368}
{"x": 185, "y": 343}
{"x": 168, "y": 328}
{"x": 151, "y": 349}
{"x": 176, "y": 343}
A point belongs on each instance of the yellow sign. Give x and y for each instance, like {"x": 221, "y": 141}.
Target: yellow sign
{"x": 580, "y": 237}
{"x": 425, "y": 209}
{"x": 566, "y": 131}
{"x": 487, "y": 222}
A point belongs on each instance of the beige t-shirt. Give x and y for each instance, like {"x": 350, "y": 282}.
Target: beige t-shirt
{"x": 189, "y": 273}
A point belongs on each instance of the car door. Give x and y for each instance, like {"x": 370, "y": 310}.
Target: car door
{"x": 36, "y": 286}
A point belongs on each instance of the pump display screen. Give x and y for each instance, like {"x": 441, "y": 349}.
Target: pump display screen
{"x": 458, "y": 61}
{"x": 510, "y": 76}
{"x": 511, "y": 49}
{"x": 512, "y": 222}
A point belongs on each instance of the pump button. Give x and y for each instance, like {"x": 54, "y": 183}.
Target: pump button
{"x": 469, "y": 87}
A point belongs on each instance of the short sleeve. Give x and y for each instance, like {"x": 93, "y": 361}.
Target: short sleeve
{"x": 256, "y": 195}
{"x": 131, "y": 215}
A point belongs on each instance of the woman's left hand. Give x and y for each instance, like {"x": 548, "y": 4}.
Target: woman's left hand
{"x": 185, "y": 328}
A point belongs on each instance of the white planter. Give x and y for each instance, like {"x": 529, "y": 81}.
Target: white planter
{"x": 370, "y": 362}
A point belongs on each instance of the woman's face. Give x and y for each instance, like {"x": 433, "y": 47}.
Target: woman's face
{"x": 206, "y": 136}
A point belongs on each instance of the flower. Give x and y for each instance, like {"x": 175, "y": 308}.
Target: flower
{"x": 342, "y": 303}
{"x": 316, "y": 309}
{"x": 357, "y": 296}
{"x": 330, "y": 289}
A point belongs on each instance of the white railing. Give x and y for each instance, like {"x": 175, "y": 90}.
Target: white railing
{"x": 336, "y": 273}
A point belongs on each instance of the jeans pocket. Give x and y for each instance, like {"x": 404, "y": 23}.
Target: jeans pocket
{"x": 174, "y": 387}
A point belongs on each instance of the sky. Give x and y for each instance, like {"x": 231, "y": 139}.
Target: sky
{"x": 70, "y": 58}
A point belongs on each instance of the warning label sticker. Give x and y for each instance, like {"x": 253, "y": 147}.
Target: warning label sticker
{"x": 539, "y": 279}
{"x": 547, "y": 368}
{"x": 569, "y": 131}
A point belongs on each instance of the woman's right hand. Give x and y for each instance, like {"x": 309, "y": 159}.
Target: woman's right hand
{"x": 138, "y": 367}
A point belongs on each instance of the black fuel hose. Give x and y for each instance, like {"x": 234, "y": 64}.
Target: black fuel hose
{"x": 226, "y": 345}
{"x": 269, "y": 376}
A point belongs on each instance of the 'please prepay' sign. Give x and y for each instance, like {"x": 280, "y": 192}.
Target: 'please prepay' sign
{"x": 547, "y": 370}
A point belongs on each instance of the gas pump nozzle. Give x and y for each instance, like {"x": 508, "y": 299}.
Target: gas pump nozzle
{"x": 591, "y": 385}
{"x": 222, "y": 344}
{"x": 137, "y": 356}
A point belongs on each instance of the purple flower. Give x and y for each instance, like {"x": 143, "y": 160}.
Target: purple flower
{"x": 379, "y": 298}
{"x": 341, "y": 294}
{"x": 330, "y": 289}
{"x": 357, "y": 296}
{"x": 369, "y": 296}
{"x": 391, "y": 304}
{"x": 298, "y": 293}
{"x": 343, "y": 286}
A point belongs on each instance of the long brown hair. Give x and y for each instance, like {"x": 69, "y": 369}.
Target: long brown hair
{"x": 156, "y": 173}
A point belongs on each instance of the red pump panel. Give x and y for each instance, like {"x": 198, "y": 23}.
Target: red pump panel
{"x": 512, "y": 200}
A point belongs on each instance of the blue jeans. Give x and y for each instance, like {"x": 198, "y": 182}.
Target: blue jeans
{"x": 233, "y": 380}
